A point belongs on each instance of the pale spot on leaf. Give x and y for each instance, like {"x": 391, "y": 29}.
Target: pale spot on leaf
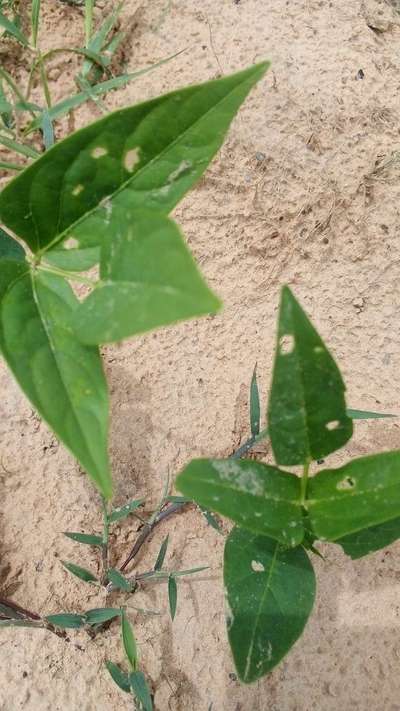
{"x": 77, "y": 190}
{"x": 286, "y": 344}
{"x": 257, "y": 566}
{"x": 71, "y": 243}
{"x": 132, "y": 158}
{"x": 332, "y": 425}
{"x": 99, "y": 152}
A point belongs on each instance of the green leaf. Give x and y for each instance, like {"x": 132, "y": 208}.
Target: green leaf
{"x": 20, "y": 148}
{"x": 10, "y": 248}
{"x": 148, "y": 155}
{"x": 12, "y": 29}
{"x": 256, "y": 496}
{"x": 118, "y": 580}
{"x": 140, "y": 690}
{"x": 307, "y": 412}
{"x": 211, "y": 520}
{"x": 66, "y": 620}
{"x": 10, "y": 612}
{"x": 140, "y": 290}
{"x": 369, "y": 540}
{"x": 81, "y": 573}
{"x": 35, "y": 15}
{"x": 172, "y": 595}
{"x": 161, "y": 554}
{"x": 84, "y": 538}
{"x": 190, "y": 571}
{"x": 129, "y": 642}
{"x": 63, "y": 378}
{"x": 121, "y": 679}
{"x": 124, "y": 511}
{"x": 178, "y": 500}
{"x": 270, "y": 594}
{"x": 101, "y": 614}
{"x": 366, "y": 415}
{"x": 361, "y": 494}
{"x": 74, "y": 260}
{"x": 254, "y": 405}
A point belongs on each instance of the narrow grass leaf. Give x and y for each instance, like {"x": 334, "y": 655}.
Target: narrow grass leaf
{"x": 66, "y": 620}
{"x": 12, "y": 29}
{"x": 254, "y": 405}
{"x": 101, "y": 614}
{"x": 20, "y": 623}
{"x": 211, "y": 520}
{"x": 86, "y": 538}
{"x": 46, "y": 124}
{"x": 190, "y": 571}
{"x": 161, "y": 554}
{"x": 129, "y": 642}
{"x": 118, "y": 580}
{"x": 35, "y": 15}
{"x": 79, "y": 572}
{"x": 119, "y": 677}
{"x": 172, "y": 595}
{"x": 270, "y": 594}
{"x": 123, "y": 511}
{"x": 366, "y": 415}
{"x": 20, "y": 148}
{"x": 140, "y": 690}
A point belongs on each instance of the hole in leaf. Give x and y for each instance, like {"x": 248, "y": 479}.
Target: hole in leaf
{"x": 346, "y": 483}
{"x": 99, "y": 152}
{"x": 131, "y": 159}
{"x": 333, "y": 425}
{"x": 286, "y": 344}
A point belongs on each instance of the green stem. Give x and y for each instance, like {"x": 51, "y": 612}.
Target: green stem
{"x": 104, "y": 548}
{"x": 13, "y": 86}
{"x": 304, "y": 481}
{"x": 88, "y": 20}
{"x": 45, "y": 83}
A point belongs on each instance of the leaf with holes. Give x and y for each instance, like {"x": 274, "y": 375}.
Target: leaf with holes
{"x": 307, "y": 411}
{"x": 63, "y": 378}
{"x": 149, "y": 279}
{"x": 148, "y": 155}
{"x": 361, "y": 494}
{"x": 270, "y": 594}
{"x": 369, "y": 540}
{"x": 258, "y": 497}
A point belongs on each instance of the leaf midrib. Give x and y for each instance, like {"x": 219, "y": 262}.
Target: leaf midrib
{"x": 260, "y": 607}
{"x": 130, "y": 180}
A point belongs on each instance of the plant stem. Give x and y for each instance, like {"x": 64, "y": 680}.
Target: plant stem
{"x": 304, "y": 481}
{"x": 19, "y": 610}
{"x": 175, "y": 508}
{"x": 104, "y": 547}
{"x": 88, "y": 20}
{"x": 45, "y": 83}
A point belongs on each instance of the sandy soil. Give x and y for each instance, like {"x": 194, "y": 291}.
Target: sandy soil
{"x": 306, "y": 191}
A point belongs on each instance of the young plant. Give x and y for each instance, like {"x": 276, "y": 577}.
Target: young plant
{"x": 268, "y": 576}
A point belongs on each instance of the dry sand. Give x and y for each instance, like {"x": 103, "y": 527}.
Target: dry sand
{"x": 306, "y": 191}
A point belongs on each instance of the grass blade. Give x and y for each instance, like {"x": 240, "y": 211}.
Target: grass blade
{"x": 254, "y": 405}
{"x": 79, "y": 572}
{"x": 5, "y": 165}
{"x": 66, "y": 620}
{"x": 101, "y": 614}
{"x": 366, "y": 415}
{"x": 12, "y": 29}
{"x": 124, "y": 511}
{"x": 211, "y": 520}
{"x": 89, "y": 540}
{"x": 20, "y": 148}
{"x": 67, "y": 105}
{"x": 20, "y": 623}
{"x": 140, "y": 690}
{"x": 35, "y": 20}
{"x": 118, "y": 580}
{"x": 172, "y": 595}
{"x": 119, "y": 677}
{"x": 88, "y": 20}
{"x": 161, "y": 555}
{"x": 129, "y": 642}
